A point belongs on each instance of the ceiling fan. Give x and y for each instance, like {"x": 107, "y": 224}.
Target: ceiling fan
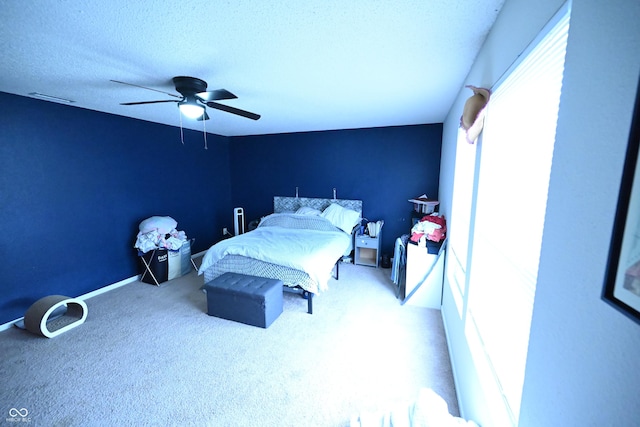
{"x": 193, "y": 98}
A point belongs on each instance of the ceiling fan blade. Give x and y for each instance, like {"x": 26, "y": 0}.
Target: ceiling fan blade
{"x": 147, "y": 102}
{"x": 205, "y": 116}
{"x": 216, "y": 95}
{"x": 233, "y": 110}
{"x": 148, "y": 88}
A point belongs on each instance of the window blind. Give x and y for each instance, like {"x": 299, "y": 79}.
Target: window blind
{"x": 461, "y": 208}
{"x": 516, "y": 152}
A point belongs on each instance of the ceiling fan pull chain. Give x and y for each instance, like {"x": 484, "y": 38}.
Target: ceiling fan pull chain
{"x": 204, "y": 127}
{"x": 181, "y": 133}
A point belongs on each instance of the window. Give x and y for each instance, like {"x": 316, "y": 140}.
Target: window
{"x": 498, "y": 263}
{"x": 459, "y": 234}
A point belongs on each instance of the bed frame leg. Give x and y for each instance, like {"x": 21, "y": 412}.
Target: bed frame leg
{"x": 309, "y": 297}
{"x": 309, "y": 303}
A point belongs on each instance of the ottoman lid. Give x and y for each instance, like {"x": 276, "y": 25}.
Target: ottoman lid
{"x": 242, "y": 284}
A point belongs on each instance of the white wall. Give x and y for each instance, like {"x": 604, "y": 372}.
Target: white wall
{"x": 584, "y": 356}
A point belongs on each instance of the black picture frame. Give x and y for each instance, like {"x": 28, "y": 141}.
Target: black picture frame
{"x": 622, "y": 280}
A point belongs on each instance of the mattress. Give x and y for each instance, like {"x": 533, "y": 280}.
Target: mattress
{"x": 300, "y": 250}
{"x": 252, "y": 267}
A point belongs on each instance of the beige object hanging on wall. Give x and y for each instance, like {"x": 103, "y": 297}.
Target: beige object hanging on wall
{"x": 472, "y": 119}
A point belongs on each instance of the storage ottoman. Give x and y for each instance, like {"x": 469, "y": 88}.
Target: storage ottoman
{"x": 252, "y": 300}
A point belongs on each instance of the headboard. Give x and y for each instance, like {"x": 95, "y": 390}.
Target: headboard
{"x": 292, "y": 204}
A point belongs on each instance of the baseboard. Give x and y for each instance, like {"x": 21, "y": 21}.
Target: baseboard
{"x": 198, "y": 255}
{"x": 91, "y": 294}
{"x": 455, "y": 372}
{"x": 99, "y": 291}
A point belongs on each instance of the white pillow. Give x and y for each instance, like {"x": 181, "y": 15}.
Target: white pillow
{"x": 343, "y": 218}
{"x": 164, "y": 224}
{"x": 306, "y": 210}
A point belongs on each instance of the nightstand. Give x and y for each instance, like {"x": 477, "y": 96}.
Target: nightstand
{"x": 367, "y": 250}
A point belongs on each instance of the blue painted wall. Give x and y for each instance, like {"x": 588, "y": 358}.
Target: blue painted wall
{"x": 75, "y": 184}
{"x": 382, "y": 166}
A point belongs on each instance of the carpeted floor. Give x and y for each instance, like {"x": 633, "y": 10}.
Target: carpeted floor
{"x": 150, "y": 355}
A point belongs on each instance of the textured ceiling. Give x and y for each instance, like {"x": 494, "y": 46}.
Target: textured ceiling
{"x": 303, "y": 65}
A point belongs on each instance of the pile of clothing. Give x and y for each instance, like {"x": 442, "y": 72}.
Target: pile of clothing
{"x": 428, "y": 410}
{"x": 431, "y": 227}
{"x": 159, "y": 232}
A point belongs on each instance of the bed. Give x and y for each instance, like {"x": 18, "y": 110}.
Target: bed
{"x": 301, "y": 244}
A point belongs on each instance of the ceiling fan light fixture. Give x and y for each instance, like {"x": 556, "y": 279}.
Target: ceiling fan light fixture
{"x": 191, "y": 109}
{"x": 195, "y": 98}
